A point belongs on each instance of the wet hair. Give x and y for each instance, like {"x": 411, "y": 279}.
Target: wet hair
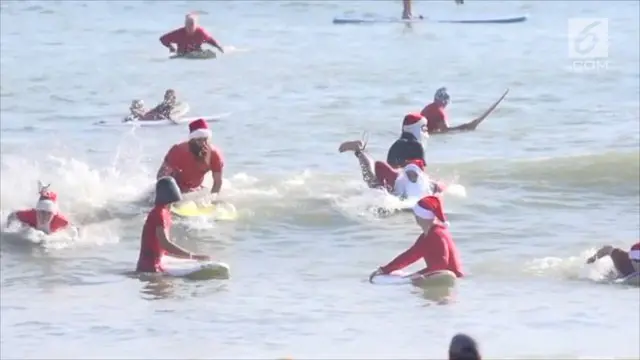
{"x": 167, "y": 191}
{"x": 463, "y": 347}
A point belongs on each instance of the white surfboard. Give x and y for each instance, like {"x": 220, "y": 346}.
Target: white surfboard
{"x": 390, "y": 20}
{"x": 194, "y": 269}
{"x": 444, "y": 278}
{"x": 633, "y": 279}
{"x": 197, "y": 55}
{"x": 165, "y": 122}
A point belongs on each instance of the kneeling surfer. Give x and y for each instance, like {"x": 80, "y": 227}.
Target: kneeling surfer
{"x": 435, "y": 244}
{"x": 155, "y": 241}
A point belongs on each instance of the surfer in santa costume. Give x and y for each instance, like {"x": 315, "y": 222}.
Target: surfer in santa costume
{"x": 45, "y": 216}
{"x": 625, "y": 262}
{"x": 189, "y": 161}
{"x": 435, "y": 245}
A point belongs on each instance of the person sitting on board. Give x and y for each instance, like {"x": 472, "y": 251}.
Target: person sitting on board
{"x": 625, "y": 263}
{"x": 436, "y": 116}
{"x": 45, "y": 216}
{"x": 411, "y": 182}
{"x": 188, "y": 38}
{"x": 406, "y": 9}
{"x": 155, "y": 240}
{"x": 464, "y": 347}
{"x": 435, "y": 245}
{"x": 188, "y": 162}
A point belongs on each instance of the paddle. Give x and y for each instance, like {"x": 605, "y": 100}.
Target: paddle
{"x": 472, "y": 125}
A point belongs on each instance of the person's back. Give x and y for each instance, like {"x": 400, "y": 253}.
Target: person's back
{"x": 404, "y": 149}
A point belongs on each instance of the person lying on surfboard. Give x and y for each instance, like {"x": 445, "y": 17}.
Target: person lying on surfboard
{"x": 189, "y": 38}
{"x": 406, "y": 9}
{"x": 435, "y": 245}
{"x": 410, "y": 182}
{"x": 155, "y": 240}
{"x": 436, "y": 116}
{"x": 188, "y": 162}
{"x": 625, "y": 263}
{"x": 45, "y": 216}
{"x": 164, "y": 109}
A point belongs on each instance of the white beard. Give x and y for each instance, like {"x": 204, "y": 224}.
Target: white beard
{"x": 404, "y": 188}
{"x": 44, "y": 224}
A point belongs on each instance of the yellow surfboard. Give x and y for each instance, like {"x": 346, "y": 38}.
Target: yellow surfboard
{"x": 218, "y": 211}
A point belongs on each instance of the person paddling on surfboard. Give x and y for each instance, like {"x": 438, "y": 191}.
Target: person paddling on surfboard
{"x": 435, "y": 245}
{"x": 189, "y": 38}
{"x": 436, "y": 116}
{"x": 189, "y": 161}
{"x": 155, "y": 240}
{"x": 625, "y": 263}
{"x": 164, "y": 109}
{"x": 406, "y": 9}
{"x": 410, "y": 182}
{"x": 46, "y": 215}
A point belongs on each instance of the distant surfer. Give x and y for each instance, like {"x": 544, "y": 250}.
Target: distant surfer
{"x": 189, "y": 38}
{"x": 625, "y": 263}
{"x": 409, "y": 182}
{"x": 406, "y": 9}
{"x": 160, "y": 112}
{"x": 46, "y": 215}
{"x": 435, "y": 245}
{"x": 437, "y": 122}
{"x": 188, "y": 162}
{"x": 155, "y": 241}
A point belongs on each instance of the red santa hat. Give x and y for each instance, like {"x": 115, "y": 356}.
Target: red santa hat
{"x": 199, "y": 129}
{"x": 634, "y": 252}
{"x": 415, "y": 165}
{"x": 429, "y": 208}
{"x": 47, "y": 202}
{"x": 413, "y": 124}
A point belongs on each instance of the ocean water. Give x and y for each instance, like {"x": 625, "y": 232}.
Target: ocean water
{"x": 549, "y": 177}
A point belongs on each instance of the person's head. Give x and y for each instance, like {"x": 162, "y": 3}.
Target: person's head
{"x": 414, "y": 170}
{"x": 428, "y": 211}
{"x": 46, "y": 208}
{"x": 137, "y": 104}
{"x": 170, "y": 96}
{"x": 463, "y": 347}
{"x": 167, "y": 191}
{"x": 190, "y": 23}
{"x": 634, "y": 256}
{"x": 416, "y": 125}
{"x": 199, "y": 135}
{"x": 441, "y": 97}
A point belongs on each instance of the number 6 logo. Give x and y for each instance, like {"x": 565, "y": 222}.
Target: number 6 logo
{"x": 586, "y": 40}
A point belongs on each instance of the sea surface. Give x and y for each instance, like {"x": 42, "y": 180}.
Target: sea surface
{"x": 552, "y": 175}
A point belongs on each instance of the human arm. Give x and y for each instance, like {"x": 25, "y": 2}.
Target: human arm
{"x": 602, "y": 252}
{"x": 174, "y": 249}
{"x": 217, "y": 163}
{"x": 411, "y": 255}
{"x": 171, "y": 38}
{"x": 210, "y": 40}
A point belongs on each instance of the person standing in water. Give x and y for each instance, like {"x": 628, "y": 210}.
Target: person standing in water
{"x": 625, "y": 263}
{"x": 435, "y": 244}
{"x": 188, "y": 162}
{"x": 406, "y": 9}
{"x": 155, "y": 240}
{"x": 189, "y": 38}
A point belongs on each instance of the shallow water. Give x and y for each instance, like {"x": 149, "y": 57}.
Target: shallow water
{"x": 552, "y": 174}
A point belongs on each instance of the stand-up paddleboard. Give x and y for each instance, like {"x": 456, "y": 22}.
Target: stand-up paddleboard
{"x": 633, "y": 279}
{"x": 394, "y": 20}
{"x": 444, "y": 278}
{"x": 196, "y": 55}
{"x": 194, "y": 269}
{"x": 194, "y": 208}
